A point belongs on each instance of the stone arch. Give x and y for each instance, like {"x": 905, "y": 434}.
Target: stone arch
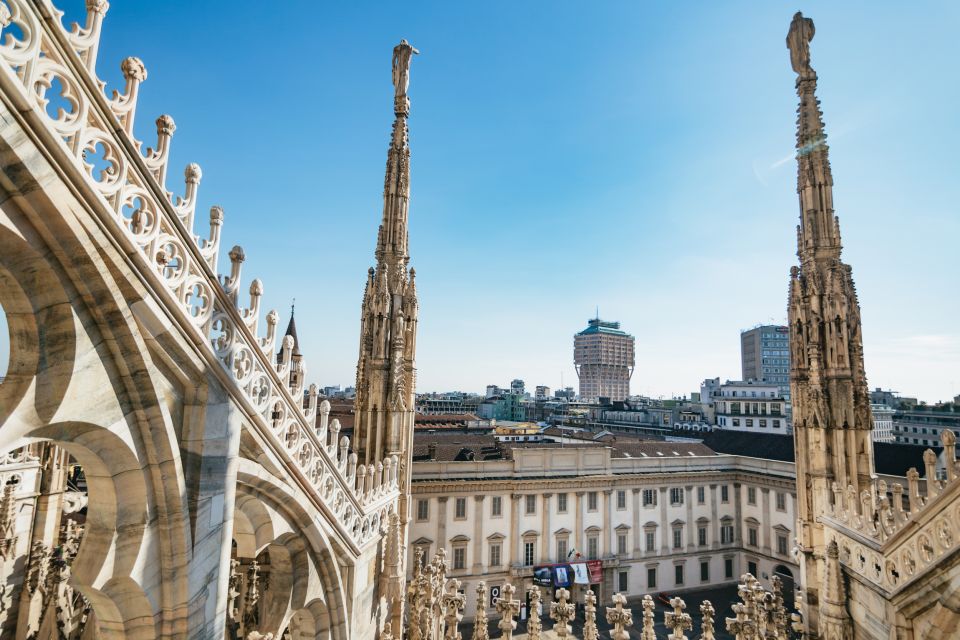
{"x": 115, "y": 524}
{"x": 315, "y": 569}
{"x": 71, "y": 327}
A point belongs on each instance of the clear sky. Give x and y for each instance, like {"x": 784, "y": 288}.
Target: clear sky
{"x": 631, "y": 156}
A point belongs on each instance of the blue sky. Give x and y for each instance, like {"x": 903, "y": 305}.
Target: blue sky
{"x": 568, "y": 155}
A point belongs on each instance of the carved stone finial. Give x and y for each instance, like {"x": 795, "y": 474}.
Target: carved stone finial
{"x": 480, "y": 630}
{"x": 534, "y": 627}
{"x": 798, "y": 41}
{"x": 216, "y": 215}
{"x": 562, "y": 612}
{"x": 192, "y": 173}
{"x": 507, "y": 607}
{"x": 620, "y": 617}
{"x": 133, "y": 69}
{"x": 706, "y": 625}
{"x": 97, "y": 6}
{"x": 648, "y": 633}
{"x": 236, "y": 254}
{"x": 590, "y": 631}
{"x": 678, "y": 621}
{"x": 166, "y": 125}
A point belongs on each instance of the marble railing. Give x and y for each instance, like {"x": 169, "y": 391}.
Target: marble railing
{"x": 892, "y": 535}
{"x": 50, "y": 71}
{"x": 435, "y": 606}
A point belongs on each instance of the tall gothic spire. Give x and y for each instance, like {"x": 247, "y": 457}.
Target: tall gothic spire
{"x": 385, "y": 368}
{"x": 831, "y": 410}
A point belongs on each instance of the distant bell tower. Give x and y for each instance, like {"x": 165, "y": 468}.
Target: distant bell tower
{"x": 831, "y": 403}
{"x": 384, "y": 405}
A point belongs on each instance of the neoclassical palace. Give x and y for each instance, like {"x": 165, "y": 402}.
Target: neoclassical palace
{"x": 167, "y": 472}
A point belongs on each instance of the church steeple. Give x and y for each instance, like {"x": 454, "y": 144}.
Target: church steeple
{"x": 831, "y": 409}
{"x": 385, "y": 367}
{"x": 818, "y": 235}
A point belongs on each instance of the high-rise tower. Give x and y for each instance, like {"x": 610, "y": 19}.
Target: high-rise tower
{"x": 384, "y": 406}
{"x": 603, "y": 355}
{"x": 831, "y": 404}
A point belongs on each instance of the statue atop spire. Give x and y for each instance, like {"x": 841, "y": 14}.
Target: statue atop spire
{"x": 402, "y": 54}
{"x": 798, "y": 41}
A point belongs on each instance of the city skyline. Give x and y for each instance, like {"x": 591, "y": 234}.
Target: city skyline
{"x": 559, "y": 166}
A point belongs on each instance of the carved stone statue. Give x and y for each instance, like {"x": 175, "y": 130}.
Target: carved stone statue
{"x": 798, "y": 41}
{"x": 402, "y": 53}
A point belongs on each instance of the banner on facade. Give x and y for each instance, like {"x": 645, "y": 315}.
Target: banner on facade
{"x": 542, "y": 576}
{"x": 580, "y": 574}
{"x": 595, "y": 567}
{"x": 494, "y": 594}
{"x": 561, "y": 575}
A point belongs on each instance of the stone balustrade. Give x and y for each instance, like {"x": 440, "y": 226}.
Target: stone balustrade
{"x": 435, "y": 607}
{"x": 891, "y": 534}
{"x": 50, "y": 71}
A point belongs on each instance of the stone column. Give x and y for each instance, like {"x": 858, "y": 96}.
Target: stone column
{"x": 665, "y": 533}
{"x": 714, "y": 518}
{"x": 441, "y": 524}
{"x": 579, "y": 524}
{"x": 765, "y": 524}
{"x": 737, "y": 515}
{"x": 478, "y": 518}
{"x": 514, "y": 545}
{"x": 607, "y": 529}
{"x": 637, "y": 534}
{"x": 545, "y": 519}
{"x": 691, "y": 525}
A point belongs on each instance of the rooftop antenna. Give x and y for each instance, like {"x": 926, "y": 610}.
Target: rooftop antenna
{"x": 293, "y": 305}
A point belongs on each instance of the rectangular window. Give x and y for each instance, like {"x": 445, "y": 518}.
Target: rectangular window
{"x": 592, "y": 501}
{"x": 763, "y": 423}
{"x": 782, "y": 545}
{"x": 752, "y": 568}
{"x": 459, "y": 557}
{"x": 561, "y": 549}
{"x": 704, "y": 571}
{"x": 749, "y": 422}
{"x": 724, "y": 493}
{"x": 496, "y": 507}
{"x": 728, "y": 568}
{"x": 702, "y": 536}
{"x": 561, "y": 503}
{"x": 423, "y": 510}
{"x": 726, "y": 534}
{"x": 751, "y": 495}
{"x": 676, "y": 495}
{"x": 649, "y": 497}
{"x": 752, "y": 536}
{"x": 781, "y": 501}
{"x": 621, "y": 500}
{"x": 531, "y": 506}
{"x": 621, "y": 543}
{"x": 678, "y": 574}
{"x": 651, "y": 539}
{"x": 701, "y": 495}
{"x": 495, "y": 550}
{"x": 776, "y": 424}
{"x": 678, "y": 537}
{"x": 623, "y": 582}
{"x": 593, "y": 547}
{"x": 460, "y": 509}
{"x": 652, "y": 578}
{"x": 736, "y": 422}
{"x": 529, "y": 547}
